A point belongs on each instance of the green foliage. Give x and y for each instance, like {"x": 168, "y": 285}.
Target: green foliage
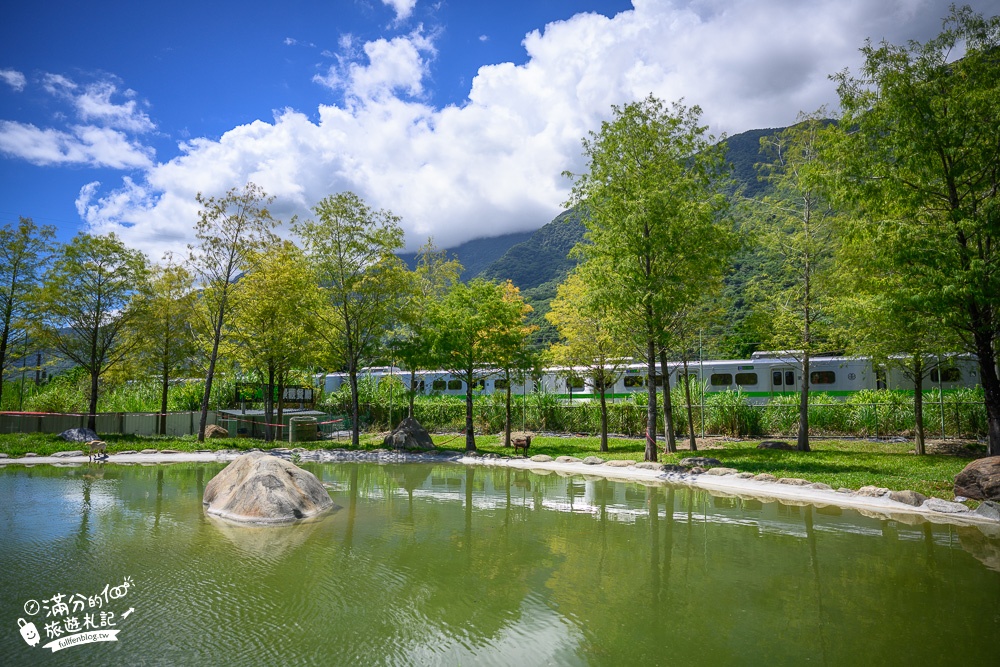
{"x": 351, "y": 250}
{"x": 24, "y": 252}
{"x": 89, "y": 302}
{"x": 230, "y": 229}
{"x": 921, "y": 166}
{"x": 729, "y": 413}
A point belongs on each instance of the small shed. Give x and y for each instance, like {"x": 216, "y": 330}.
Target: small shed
{"x": 251, "y": 423}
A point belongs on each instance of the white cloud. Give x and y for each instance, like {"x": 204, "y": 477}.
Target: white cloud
{"x": 396, "y": 65}
{"x": 103, "y": 137}
{"x": 94, "y": 104}
{"x": 82, "y": 144}
{"x": 403, "y": 8}
{"x": 14, "y": 79}
{"x": 493, "y": 164}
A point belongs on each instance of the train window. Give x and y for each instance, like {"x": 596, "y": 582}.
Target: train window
{"x": 690, "y": 377}
{"x": 822, "y": 377}
{"x": 500, "y": 384}
{"x": 657, "y": 380}
{"x": 746, "y": 379}
{"x": 634, "y": 380}
{"x": 574, "y": 382}
{"x": 776, "y": 378}
{"x": 454, "y": 384}
{"x": 421, "y": 386}
{"x": 439, "y": 385}
{"x": 790, "y": 378}
{"x": 721, "y": 379}
{"x": 947, "y": 375}
{"x": 479, "y": 385}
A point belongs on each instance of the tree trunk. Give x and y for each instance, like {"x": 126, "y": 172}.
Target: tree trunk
{"x": 92, "y": 411}
{"x": 918, "y": 404}
{"x": 269, "y": 405}
{"x": 280, "y": 411}
{"x": 352, "y": 376}
{"x": 670, "y": 440}
{"x": 470, "y": 433}
{"x": 413, "y": 392}
{"x": 604, "y": 413}
{"x": 650, "y": 454}
{"x": 164, "y": 387}
{"x": 803, "y": 441}
{"x": 208, "y": 379}
{"x": 4, "y": 336}
{"x": 693, "y": 445}
{"x": 991, "y": 389}
{"x": 507, "y": 417}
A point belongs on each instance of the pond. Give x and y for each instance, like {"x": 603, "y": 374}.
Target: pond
{"x": 446, "y": 564}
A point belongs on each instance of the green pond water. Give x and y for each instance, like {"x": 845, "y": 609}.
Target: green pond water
{"x": 445, "y": 564}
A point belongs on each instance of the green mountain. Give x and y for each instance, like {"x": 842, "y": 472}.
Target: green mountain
{"x": 543, "y": 256}
{"x": 477, "y": 254}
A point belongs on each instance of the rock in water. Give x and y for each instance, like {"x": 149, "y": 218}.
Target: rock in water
{"x": 260, "y": 488}
{"x": 409, "y": 435}
{"x": 980, "y": 479}
{"x": 79, "y": 435}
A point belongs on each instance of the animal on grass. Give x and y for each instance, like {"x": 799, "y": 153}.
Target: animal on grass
{"x": 97, "y": 446}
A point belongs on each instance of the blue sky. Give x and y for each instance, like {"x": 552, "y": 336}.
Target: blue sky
{"x": 457, "y": 115}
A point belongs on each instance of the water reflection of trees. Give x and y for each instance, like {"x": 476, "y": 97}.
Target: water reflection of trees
{"x": 429, "y": 556}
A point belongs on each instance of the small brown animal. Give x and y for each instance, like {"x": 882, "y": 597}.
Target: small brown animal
{"x": 97, "y": 446}
{"x": 521, "y": 442}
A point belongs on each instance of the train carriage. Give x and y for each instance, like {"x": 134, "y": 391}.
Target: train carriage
{"x": 760, "y": 378}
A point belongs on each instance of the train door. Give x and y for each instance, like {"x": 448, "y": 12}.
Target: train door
{"x": 784, "y": 379}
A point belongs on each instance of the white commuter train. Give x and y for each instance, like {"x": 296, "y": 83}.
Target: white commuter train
{"x": 763, "y": 376}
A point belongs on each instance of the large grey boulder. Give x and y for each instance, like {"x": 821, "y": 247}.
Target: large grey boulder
{"x": 79, "y": 435}
{"x": 980, "y": 480}
{"x": 409, "y": 435}
{"x": 263, "y": 489}
{"x": 775, "y": 444}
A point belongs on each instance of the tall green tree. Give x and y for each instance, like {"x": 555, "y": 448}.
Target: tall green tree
{"x": 24, "y": 252}
{"x": 920, "y": 157}
{"x": 229, "y": 230}
{"x": 351, "y": 248}
{"x": 796, "y": 226}
{"x": 879, "y": 323}
{"x": 478, "y": 325}
{"x": 271, "y": 332}
{"x": 514, "y": 357}
{"x": 590, "y": 338}
{"x": 165, "y": 338}
{"x": 87, "y": 303}
{"x": 654, "y": 232}
{"x": 433, "y": 276}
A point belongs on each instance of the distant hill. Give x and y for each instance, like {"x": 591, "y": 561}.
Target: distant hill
{"x": 543, "y": 256}
{"x": 477, "y": 254}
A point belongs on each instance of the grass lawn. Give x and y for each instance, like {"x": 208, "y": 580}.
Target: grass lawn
{"x": 839, "y": 463}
